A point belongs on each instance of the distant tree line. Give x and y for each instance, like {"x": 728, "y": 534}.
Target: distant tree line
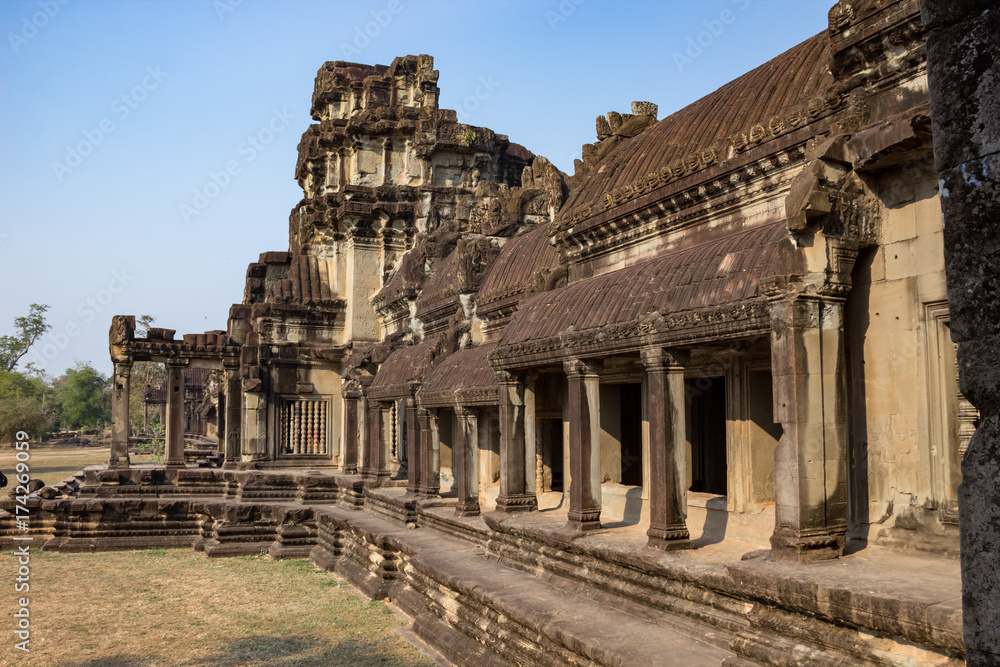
{"x": 79, "y": 399}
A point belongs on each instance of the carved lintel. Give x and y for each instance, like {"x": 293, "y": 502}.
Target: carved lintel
{"x": 582, "y": 367}
{"x": 656, "y": 358}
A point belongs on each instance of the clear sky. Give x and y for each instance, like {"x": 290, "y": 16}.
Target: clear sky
{"x": 115, "y": 115}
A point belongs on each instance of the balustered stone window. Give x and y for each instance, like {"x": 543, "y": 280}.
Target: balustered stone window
{"x": 303, "y": 427}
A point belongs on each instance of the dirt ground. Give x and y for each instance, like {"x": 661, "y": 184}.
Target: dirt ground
{"x": 177, "y": 607}
{"x": 54, "y": 463}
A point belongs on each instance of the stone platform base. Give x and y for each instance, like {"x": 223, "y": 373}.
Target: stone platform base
{"x": 518, "y": 589}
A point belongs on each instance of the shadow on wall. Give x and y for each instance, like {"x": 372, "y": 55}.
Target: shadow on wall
{"x": 858, "y": 320}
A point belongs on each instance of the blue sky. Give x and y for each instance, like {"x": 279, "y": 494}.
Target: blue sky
{"x": 115, "y": 115}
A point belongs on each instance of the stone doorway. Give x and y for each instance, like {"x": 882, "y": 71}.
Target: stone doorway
{"x": 706, "y": 433}
{"x": 631, "y": 434}
{"x": 552, "y": 454}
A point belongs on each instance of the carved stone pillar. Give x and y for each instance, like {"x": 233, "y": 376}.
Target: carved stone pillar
{"x": 963, "y": 67}
{"x": 466, "y": 463}
{"x": 514, "y": 496}
{"x": 584, "y": 444}
{"x": 667, "y": 498}
{"x": 234, "y": 414}
{"x": 435, "y": 449}
{"x": 220, "y": 419}
{"x": 175, "y": 415}
{"x": 349, "y": 452}
{"x": 530, "y": 436}
{"x": 414, "y": 450}
{"x": 810, "y": 399}
{"x": 404, "y": 427}
{"x": 119, "y": 416}
{"x": 430, "y": 484}
{"x": 375, "y": 466}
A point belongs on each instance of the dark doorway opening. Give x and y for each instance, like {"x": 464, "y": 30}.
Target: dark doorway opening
{"x": 631, "y": 434}
{"x": 706, "y": 431}
{"x": 552, "y": 454}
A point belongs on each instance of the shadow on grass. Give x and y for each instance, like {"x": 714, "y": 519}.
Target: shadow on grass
{"x": 271, "y": 650}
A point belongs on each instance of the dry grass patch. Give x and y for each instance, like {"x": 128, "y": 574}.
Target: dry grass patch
{"x": 54, "y": 464}
{"x": 177, "y": 607}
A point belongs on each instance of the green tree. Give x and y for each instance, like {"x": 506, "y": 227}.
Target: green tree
{"x": 24, "y": 405}
{"x": 29, "y": 329}
{"x": 83, "y": 396}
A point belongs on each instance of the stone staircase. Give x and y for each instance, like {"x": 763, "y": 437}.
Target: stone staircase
{"x": 477, "y": 610}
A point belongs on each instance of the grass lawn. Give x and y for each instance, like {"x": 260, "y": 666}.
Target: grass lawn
{"x": 53, "y": 464}
{"x": 177, "y": 607}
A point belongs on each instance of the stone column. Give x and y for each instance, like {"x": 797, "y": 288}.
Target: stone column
{"x": 220, "y": 420}
{"x": 514, "y": 496}
{"x": 119, "y": 416}
{"x": 430, "y": 484}
{"x": 349, "y": 452}
{"x": 403, "y": 424}
{"x": 666, "y": 411}
{"x": 963, "y": 68}
{"x": 234, "y": 413}
{"x": 414, "y": 450}
{"x": 145, "y": 417}
{"x": 466, "y": 463}
{"x": 584, "y": 444}
{"x": 175, "y": 415}
{"x": 375, "y": 469}
{"x": 810, "y": 402}
{"x": 530, "y": 436}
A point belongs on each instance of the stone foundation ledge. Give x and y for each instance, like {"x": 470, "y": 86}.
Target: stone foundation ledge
{"x": 501, "y": 580}
{"x": 859, "y": 609}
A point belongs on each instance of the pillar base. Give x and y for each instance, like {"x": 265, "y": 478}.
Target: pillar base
{"x": 670, "y": 538}
{"x": 174, "y": 466}
{"x": 808, "y": 545}
{"x": 582, "y": 520}
{"x": 120, "y": 464}
{"x": 429, "y": 492}
{"x": 518, "y": 503}
{"x": 349, "y": 470}
{"x": 467, "y": 509}
{"x": 375, "y": 479}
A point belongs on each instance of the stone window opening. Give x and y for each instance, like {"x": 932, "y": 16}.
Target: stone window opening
{"x": 303, "y": 427}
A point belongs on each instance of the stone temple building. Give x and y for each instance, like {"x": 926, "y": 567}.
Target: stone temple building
{"x": 703, "y": 390}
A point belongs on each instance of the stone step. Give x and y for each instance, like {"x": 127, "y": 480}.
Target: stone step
{"x": 523, "y": 619}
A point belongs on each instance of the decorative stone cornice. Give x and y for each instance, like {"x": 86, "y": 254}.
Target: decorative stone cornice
{"x": 748, "y": 318}
{"x": 652, "y": 216}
